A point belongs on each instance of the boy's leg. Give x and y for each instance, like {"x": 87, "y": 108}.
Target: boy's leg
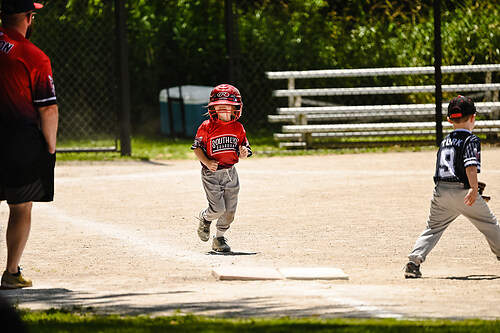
{"x": 440, "y": 217}
{"x": 231, "y": 190}
{"x": 215, "y": 194}
{"x": 484, "y": 220}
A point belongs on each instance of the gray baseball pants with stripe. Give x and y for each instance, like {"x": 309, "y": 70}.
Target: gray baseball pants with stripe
{"x": 221, "y": 188}
{"x": 446, "y": 205}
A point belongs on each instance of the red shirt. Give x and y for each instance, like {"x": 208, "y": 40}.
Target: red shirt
{"x": 25, "y": 79}
{"x": 221, "y": 141}
{"x": 25, "y": 84}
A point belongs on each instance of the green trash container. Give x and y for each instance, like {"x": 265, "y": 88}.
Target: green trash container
{"x": 182, "y": 109}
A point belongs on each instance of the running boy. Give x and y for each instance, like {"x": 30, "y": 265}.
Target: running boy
{"x": 219, "y": 143}
{"x": 456, "y": 191}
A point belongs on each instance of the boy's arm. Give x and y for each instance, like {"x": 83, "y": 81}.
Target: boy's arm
{"x": 471, "y": 196}
{"x": 244, "y": 152}
{"x": 209, "y": 163}
{"x": 244, "y": 149}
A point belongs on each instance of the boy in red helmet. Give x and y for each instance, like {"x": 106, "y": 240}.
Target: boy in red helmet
{"x": 219, "y": 143}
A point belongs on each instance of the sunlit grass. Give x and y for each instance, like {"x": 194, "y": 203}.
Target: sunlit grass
{"x": 164, "y": 148}
{"x": 84, "y": 321}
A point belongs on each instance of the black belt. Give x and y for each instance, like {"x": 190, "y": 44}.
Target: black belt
{"x": 452, "y": 183}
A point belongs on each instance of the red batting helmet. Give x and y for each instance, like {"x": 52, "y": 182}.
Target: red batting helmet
{"x": 225, "y": 94}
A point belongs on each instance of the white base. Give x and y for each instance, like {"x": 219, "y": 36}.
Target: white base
{"x": 267, "y": 273}
{"x": 246, "y": 273}
{"x": 316, "y": 273}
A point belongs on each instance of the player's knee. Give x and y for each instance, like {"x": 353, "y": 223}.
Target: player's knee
{"x": 230, "y": 215}
{"x": 219, "y": 209}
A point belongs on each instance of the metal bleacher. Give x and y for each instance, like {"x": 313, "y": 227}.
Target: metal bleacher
{"x": 306, "y": 125}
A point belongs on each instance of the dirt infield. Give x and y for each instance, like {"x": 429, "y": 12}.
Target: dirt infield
{"x": 120, "y": 237}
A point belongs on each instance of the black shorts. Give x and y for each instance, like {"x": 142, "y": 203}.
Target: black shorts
{"x": 39, "y": 189}
{"x": 17, "y": 195}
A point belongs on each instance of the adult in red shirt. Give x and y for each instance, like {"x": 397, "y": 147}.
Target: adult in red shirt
{"x": 28, "y": 130}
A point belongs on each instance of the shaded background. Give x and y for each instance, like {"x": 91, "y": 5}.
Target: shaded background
{"x": 184, "y": 42}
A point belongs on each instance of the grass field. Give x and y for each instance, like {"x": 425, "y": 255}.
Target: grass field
{"x": 163, "y": 148}
{"x": 68, "y": 321}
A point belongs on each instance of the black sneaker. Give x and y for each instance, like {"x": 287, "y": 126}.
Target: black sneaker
{"x": 203, "y": 228}
{"x": 412, "y": 271}
{"x": 219, "y": 244}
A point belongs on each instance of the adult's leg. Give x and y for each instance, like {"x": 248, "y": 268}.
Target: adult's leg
{"x": 18, "y": 230}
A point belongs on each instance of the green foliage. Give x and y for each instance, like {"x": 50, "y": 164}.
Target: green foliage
{"x": 143, "y": 148}
{"x": 471, "y": 33}
{"x": 263, "y": 145}
{"x": 184, "y": 42}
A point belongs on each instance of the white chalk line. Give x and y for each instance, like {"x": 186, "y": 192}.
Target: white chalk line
{"x": 124, "y": 235}
{"x": 364, "y": 307}
{"x": 164, "y": 251}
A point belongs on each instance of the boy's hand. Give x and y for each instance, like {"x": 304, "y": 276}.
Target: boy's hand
{"x": 243, "y": 152}
{"x": 212, "y": 165}
{"x": 471, "y": 196}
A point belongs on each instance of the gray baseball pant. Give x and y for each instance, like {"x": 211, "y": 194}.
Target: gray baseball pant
{"x": 221, "y": 188}
{"x": 446, "y": 205}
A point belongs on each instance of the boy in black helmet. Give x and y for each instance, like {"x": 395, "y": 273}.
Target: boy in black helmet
{"x": 456, "y": 191}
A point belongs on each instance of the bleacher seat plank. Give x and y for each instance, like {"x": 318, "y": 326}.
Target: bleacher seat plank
{"x": 385, "y": 90}
{"x": 364, "y": 72}
{"x": 481, "y": 106}
{"x": 378, "y": 126}
{"x": 305, "y": 126}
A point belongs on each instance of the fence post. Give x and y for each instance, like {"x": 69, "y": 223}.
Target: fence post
{"x": 291, "y": 86}
{"x": 491, "y": 96}
{"x": 437, "y": 71}
{"x": 230, "y": 40}
{"x": 488, "y": 95}
{"x": 124, "y": 80}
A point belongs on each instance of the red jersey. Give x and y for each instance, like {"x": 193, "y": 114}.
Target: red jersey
{"x": 25, "y": 84}
{"x": 25, "y": 79}
{"x": 221, "y": 142}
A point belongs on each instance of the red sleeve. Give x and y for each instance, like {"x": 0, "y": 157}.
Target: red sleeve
{"x": 200, "y": 141}
{"x": 244, "y": 141}
{"x": 43, "y": 89}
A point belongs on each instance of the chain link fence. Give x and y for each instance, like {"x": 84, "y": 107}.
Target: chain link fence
{"x": 175, "y": 43}
{"x": 79, "y": 38}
